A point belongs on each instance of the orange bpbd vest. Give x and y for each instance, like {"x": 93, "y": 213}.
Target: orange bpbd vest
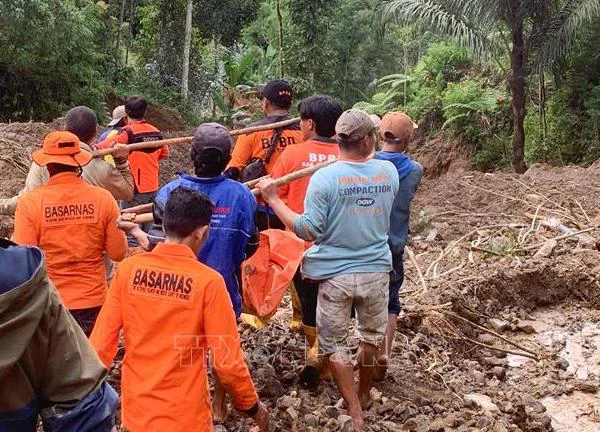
{"x": 144, "y": 162}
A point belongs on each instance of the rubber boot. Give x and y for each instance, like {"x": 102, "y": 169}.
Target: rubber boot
{"x": 296, "y": 324}
{"x": 254, "y": 321}
{"x": 310, "y": 375}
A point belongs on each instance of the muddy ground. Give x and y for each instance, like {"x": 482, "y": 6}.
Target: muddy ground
{"x": 498, "y": 267}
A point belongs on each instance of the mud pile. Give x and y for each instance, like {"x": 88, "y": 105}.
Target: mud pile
{"x": 484, "y": 262}
{"x": 499, "y": 328}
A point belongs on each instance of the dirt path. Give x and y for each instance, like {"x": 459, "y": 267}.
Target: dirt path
{"x": 478, "y": 263}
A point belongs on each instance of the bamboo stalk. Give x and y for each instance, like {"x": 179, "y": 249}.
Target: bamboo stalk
{"x": 145, "y": 208}
{"x": 288, "y": 178}
{"x": 138, "y": 218}
{"x": 185, "y": 140}
{"x": 142, "y": 208}
{"x": 281, "y": 181}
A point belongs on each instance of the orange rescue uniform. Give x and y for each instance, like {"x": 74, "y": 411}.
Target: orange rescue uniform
{"x": 255, "y": 145}
{"x": 143, "y": 163}
{"x": 172, "y": 308}
{"x": 312, "y": 152}
{"x": 74, "y": 223}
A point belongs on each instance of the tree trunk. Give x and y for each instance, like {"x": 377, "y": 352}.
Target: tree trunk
{"x": 121, "y": 18}
{"x": 517, "y": 89}
{"x": 187, "y": 45}
{"x": 216, "y": 71}
{"x": 130, "y": 35}
{"x": 280, "y": 24}
{"x": 543, "y": 124}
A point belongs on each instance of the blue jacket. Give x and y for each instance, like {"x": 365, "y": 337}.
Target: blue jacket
{"x": 231, "y": 228}
{"x": 410, "y": 173}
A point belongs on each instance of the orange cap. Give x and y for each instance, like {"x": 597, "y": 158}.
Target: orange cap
{"x": 63, "y": 148}
{"x": 397, "y": 125}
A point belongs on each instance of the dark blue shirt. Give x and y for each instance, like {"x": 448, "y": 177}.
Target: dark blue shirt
{"x": 410, "y": 173}
{"x": 231, "y": 227}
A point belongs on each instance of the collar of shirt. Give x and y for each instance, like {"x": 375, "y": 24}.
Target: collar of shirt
{"x": 323, "y": 139}
{"x": 174, "y": 249}
{"x": 65, "y": 177}
{"x": 195, "y": 179}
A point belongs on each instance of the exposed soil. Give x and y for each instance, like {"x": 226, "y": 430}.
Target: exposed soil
{"x": 165, "y": 119}
{"x": 475, "y": 259}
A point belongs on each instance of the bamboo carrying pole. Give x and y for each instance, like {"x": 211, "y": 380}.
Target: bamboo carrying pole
{"x": 145, "y": 208}
{"x": 281, "y": 181}
{"x": 185, "y": 140}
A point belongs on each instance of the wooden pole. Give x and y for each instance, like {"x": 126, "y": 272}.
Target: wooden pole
{"x": 288, "y": 178}
{"x": 185, "y": 140}
{"x": 281, "y": 181}
{"x": 144, "y": 208}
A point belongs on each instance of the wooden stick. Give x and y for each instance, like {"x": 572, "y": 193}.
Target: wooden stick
{"x": 562, "y": 237}
{"x": 491, "y": 332}
{"x": 145, "y": 208}
{"x": 305, "y": 172}
{"x": 523, "y": 354}
{"x": 185, "y": 140}
{"x": 138, "y": 218}
{"x": 288, "y": 178}
{"x": 142, "y": 208}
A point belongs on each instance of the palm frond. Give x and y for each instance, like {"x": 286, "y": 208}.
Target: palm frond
{"x": 453, "y": 119}
{"x": 447, "y": 17}
{"x": 558, "y": 35}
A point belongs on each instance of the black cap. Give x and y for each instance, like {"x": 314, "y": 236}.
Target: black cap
{"x": 212, "y": 136}
{"x": 279, "y": 92}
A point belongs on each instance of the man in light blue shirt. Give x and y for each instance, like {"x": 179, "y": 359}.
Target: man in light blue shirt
{"x": 347, "y": 216}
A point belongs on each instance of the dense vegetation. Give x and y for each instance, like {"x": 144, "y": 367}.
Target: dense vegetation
{"x": 499, "y": 76}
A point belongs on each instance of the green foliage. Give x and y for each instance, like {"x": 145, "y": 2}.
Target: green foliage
{"x": 144, "y": 82}
{"x": 478, "y": 113}
{"x": 46, "y": 67}
{"x": 472, "y": 110}
{"x": 571, "y": 137}
{"x": 224, "y": 19}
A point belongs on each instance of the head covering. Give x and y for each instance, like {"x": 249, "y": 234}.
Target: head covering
{"x": 353, "y": 125}
{"x": 376, "y": 120}
{"x": 61, "y": 147}
{"x": 212, "y": 136}
{"x": 117, "y": 115}
{"x": 398, "y": 126}
{"x": 279, "y": 92}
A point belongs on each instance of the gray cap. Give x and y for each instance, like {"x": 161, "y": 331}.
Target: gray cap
{"x": 212, "y": 135}
{"x": 117, "y": 115}
{"x": 353, "y": 125}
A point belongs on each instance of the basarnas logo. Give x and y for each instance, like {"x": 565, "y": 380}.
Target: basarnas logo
{"x": 365, "y": 202}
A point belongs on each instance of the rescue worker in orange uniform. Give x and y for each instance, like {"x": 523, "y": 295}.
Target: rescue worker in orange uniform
{"x": 318, "y": 115}
{"x": 144, "y": 164}
{"x": 255, "y": 154}
{"x": 173, "y": 309}
{"x": 74, "y": 223}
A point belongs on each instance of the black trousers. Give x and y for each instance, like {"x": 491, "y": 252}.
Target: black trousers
{"x": 308, "y": 292}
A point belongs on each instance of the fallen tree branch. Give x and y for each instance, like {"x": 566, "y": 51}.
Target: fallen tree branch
{"x": 567, "y": 232}
{"x": 563, "y": 237}
{"x": 411, "y": 256}
{"x": 491, "y": 332}
{"x": 523, "y": 354}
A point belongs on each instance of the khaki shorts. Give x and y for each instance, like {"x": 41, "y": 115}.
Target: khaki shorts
{"x": 368, "y": 292}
